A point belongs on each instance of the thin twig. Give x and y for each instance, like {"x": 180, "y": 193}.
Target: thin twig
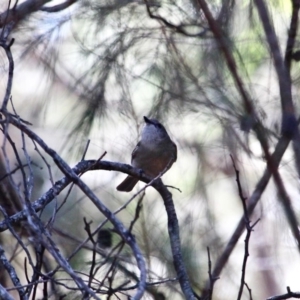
{"x": 180, "y": 28}
{"x": 249, "y": 291}
{"x": 12, "y": 273}
{"x": 211, "y": 278}
{"x": 288, "y": 295}
{"x": 7, "y": 49}
{"x": 248, "y": 226}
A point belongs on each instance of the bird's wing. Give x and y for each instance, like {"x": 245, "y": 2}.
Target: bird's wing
{"x": 133, "y": 154}
{"x": 175, "y": 152}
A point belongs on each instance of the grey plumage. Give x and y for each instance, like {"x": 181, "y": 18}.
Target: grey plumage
{"x": 154, "y": 153}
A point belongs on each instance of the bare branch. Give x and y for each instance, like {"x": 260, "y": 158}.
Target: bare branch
{"x": 174, "y": 235}
{"x": 4, "y": 294}
{"x": 248, "y": 227}
{"x": 19, "y": 13}
{"x": 292, "y": 34}
{"x": 178, "y": 28}
{"x": 58, "y": 7}
{"x": 223, "y": 43}
{"x": 12, "y": 273}
{"x": 125, "y": 234}
{"x": 289, "y": 123}
{"x": 211, "y": 279}
{"x": 7, "y": 48}
{"x": 288, "y": 295}
{"x": 252, "y": 202}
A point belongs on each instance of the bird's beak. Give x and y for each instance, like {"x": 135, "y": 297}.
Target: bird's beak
{"x": 147, "y": 120}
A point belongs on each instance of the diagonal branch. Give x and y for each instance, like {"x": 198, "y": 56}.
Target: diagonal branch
{"x": 19, "y": 13}
{"x": 288, "y": 295}
{"x": 4, "y": 294}
{"x": 252, "y": 202}
{"x": 292, "y": 34}
{"x": 231, "y": 64}
{"x": 180, "y": 28}
{"x": 12, "y": 273}
{"x": 272, "y": 164}
{"x": 289, "y": 123}
{"x": 72, "y": 176}
{"x": 84, "y": 166}
{"x": 68, "y": 172}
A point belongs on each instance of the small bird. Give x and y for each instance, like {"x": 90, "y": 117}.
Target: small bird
{"x": 154, "y": 153}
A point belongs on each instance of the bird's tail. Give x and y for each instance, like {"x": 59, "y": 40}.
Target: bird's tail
{"x": 127, "y": 184}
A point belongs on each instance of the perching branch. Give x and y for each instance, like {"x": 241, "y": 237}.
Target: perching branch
{"x": 68, "y": 172}
{"x": 174, "y": 235}
{"x": 72, "y": 176}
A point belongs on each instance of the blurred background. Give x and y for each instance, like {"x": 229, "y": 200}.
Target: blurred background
{"x": 92, "y": 70}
